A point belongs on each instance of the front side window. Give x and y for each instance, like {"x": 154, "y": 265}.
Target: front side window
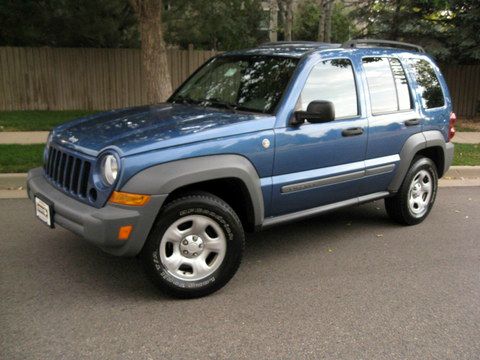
{"x": 252, "y": 83}
{"x": 331, "y": 80}
{"x": 387, "y": 85}
{"x": 428, "y": 84}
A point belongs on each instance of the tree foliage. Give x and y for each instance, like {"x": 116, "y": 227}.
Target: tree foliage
{"x": 307, "y": 17}
{"x": 220, "y": 24}
{"x": 449, "y": 29}
{"x": 68, "y": 23}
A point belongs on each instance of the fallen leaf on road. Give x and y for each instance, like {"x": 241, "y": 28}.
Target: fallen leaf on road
{"x": 379, "y": 235}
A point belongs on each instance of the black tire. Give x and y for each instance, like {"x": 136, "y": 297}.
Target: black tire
{"x": 194, "y": 204}
{"x": 398, "y": 207}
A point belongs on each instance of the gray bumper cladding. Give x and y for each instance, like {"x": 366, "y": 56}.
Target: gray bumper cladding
{"x": 98, "y": 226}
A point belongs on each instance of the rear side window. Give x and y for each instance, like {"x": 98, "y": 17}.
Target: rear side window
{"x": 387, "y": 85}
{"x": 331, "y": 80}
{"x": 428, "y": 84}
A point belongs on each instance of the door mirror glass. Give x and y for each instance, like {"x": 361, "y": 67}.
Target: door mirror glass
{"x": 318, "y": 111}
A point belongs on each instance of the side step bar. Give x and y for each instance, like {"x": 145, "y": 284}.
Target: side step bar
{"x": 300, "y": 215}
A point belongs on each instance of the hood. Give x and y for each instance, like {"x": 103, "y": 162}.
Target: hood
{"x": 146, "y": 128}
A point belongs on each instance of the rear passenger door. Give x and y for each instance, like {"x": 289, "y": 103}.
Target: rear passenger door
{"x": 318, "y": 164}
{"x": 393, "y": 118}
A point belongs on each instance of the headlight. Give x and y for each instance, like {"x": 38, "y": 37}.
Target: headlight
{"x": 109, "y": 169}
{"x": 49, "y": 140}
{"x": 47, "y": 148}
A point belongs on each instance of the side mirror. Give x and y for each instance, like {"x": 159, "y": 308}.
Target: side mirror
{"x": 318, "y": 111}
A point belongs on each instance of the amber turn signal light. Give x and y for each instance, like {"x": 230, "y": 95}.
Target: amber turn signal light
{"x": 123, "y": 198}
{"x": 124, "y": 232}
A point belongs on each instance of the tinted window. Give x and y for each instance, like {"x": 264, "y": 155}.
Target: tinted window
{"x": 253, "y": 83}
{"x": 403, "y": 92}
{"x": 331, "y": 80}
{"x": 428, "y": 84}
{"x": 387, "y": 85}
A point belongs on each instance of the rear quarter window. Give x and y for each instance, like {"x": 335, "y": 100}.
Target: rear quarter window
{"x": 428, "y": 85}
{"x": 387, "y": 85}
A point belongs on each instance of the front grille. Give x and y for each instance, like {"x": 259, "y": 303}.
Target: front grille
{"x": 67, "y": 171}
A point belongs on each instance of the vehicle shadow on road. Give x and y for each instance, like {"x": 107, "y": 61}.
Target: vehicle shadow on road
{"x": 331, "y": 228}
{"x": 106, "y": 275}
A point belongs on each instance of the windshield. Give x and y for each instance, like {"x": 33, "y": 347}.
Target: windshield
{"x": 250, "y": 83}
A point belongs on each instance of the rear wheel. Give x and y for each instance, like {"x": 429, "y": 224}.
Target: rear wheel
{"x": 195, "y": 247}
{"x": 415, "y": 198}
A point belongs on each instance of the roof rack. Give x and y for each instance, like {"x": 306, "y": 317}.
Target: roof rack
{"x": 295, "y": 43}
{"x": 381, "y": 43}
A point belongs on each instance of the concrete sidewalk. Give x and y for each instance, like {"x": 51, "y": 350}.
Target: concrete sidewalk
{"x": 23, "y": 137}
{"x": 467, "y": 138}
{"x": 39, "y": 137}
{"x": 12, "y": 186}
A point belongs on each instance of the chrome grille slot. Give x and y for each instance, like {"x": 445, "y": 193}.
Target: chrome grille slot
{"x": 68, "y": 172}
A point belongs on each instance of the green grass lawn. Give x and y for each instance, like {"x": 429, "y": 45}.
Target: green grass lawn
{"x": 467, "y": 154}
{"x": 36, "y": 120}
{"x": 20, "y": 158}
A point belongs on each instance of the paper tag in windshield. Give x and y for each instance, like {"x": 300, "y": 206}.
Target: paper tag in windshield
{"x": 230, "y": 72}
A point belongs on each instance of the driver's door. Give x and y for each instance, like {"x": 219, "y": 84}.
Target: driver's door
{"x": 319, "y": 164}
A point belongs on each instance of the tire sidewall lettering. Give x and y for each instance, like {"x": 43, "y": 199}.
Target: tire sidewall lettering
{"x": 166, "y": 276}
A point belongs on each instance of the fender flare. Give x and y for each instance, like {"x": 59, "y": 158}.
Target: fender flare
{"x": 412, "y": 146}
{"x": 164, "y": 178}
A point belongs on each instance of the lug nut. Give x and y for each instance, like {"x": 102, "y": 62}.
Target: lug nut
{"x": 195, "y": 238}
{"x": 185, "y": 252}
{"x": 195, "y": 254}
{"x": 200, "y": 246}
{"x": 185, "y": 242}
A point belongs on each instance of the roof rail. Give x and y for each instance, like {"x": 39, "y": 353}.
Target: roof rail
{"x": 382, "y": 43}
{"x": 293, "y": 43}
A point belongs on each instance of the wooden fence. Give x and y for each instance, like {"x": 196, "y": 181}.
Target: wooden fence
{"x": 464, "y": 85}
{"x": 97, "y": 79}
{"x": 79, "y": 78}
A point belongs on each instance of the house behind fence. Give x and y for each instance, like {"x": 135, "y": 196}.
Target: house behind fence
{"x": 98, "y": 79}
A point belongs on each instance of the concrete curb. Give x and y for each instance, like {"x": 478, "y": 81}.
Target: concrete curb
{"x": 12, "y": 186}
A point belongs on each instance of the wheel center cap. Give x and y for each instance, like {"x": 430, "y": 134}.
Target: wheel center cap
{"x": 191, "y": 246}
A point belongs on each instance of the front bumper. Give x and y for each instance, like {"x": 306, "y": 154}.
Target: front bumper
{"x": 98, "y": 226}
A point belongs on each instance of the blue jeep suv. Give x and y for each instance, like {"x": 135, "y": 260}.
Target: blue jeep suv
{"x": 254, "y": 138}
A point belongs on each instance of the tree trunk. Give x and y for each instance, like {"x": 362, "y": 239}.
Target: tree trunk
{"x": 321, "y": 23}
{"x": 288, "y": 20}
{"x": 328, "y": 21}
{"x": 157, "y": 79}
{"x": 395, "y": 30}
{"x": 273, "y": 20}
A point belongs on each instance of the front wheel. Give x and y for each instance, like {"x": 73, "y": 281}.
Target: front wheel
{"x": 415, "y": 198}
{"x": 195, "y": 247}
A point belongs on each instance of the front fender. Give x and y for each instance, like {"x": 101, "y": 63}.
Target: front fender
{"x": 165, "y": 178}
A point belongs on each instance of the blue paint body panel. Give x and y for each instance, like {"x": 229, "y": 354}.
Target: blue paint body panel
{"x": 150, "y": 135}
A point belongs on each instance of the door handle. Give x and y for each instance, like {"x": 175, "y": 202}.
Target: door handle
{"x": 352, "y": 131}
{"x": 412, "y": 122}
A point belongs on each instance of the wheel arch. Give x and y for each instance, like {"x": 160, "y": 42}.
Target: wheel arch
{"x": 207, "y": 173}
{"x": 430, "y": 144}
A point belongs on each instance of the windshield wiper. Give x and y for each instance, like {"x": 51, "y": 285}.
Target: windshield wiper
{"x": 218, "y": 103}
{"x": 246, "y": 108}
{"x": 185, "y": 100}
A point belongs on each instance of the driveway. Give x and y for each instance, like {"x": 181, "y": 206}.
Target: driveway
{"x": 348, "y": 285}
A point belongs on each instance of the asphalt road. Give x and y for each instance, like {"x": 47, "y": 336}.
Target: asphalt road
{"x": 349, "y": 285}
